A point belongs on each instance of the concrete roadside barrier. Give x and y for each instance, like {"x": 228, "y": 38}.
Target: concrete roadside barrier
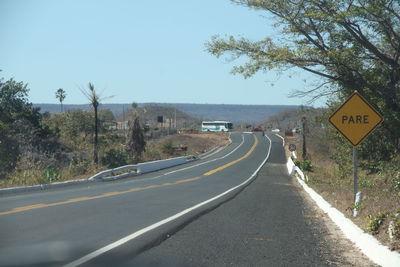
{"x": 107, "y": 175}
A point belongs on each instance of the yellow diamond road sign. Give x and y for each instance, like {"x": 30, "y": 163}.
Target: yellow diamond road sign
{"x": 355, "y": 118}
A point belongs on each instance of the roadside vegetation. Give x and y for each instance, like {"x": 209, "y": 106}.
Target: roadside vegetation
{"x": 346, "y": 46}
{"x": 39, "y": 148}
{"x": 328, "y": 166}
{"x": 379, "y": 173}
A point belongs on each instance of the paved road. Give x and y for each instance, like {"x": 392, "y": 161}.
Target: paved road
{"x": 169, "y": 218}
{"x": 60, "y": 226}
{"x": 270, "y": 223}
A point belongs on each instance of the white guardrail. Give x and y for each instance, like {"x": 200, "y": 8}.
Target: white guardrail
{"x": 108, "y": 175}
{"x": 140, "y": 168}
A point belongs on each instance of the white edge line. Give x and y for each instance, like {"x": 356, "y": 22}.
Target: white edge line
{"x": 236, "y": 148}
{"x": 219, "y": 149}
{"x": 283, "y": 139}
{"x": 371, "y": 247}
{"x": 140, "y": 232}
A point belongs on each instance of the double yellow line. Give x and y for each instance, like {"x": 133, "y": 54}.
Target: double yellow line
{"x": 135, "y": 189}
{"x": 235, "y": 161}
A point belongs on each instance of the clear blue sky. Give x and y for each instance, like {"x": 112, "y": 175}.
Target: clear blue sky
{"x": 141, "y": 51}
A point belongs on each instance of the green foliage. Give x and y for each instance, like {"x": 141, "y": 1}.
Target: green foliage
{"x": 375, "y": 150}
{"x": 115, "y": 158}
{"x": 389, "y": 172}
{"x": 304, "y": 165}
{"x": 106, "y": 119}
{"x": 396, "y": 182}
{"x": 9, "y": 152}
{"x": 74, "y": 126}
{"x": 136, "y": 144}
{"x": 355, "y": 206}
{"x": 396, "y": 226}
{"x": 51, "y": 175}
{"x": 21, "y": 129}
{"x": 364, "y": 182}
{"x": 78, "y": 167}
{"x": 61, "y": 95}
{"x": 342, "y": 155}
{"x": 351, "y": 45}
{"x": 375, "y": 223}
{"x": 94, "y": 97}
{"x": 167, "y": 147}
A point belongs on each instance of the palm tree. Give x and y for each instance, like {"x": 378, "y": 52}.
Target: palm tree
{"x": 61, "y": 95}
{"x": 94, "y": 99}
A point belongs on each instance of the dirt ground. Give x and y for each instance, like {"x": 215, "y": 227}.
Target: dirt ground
{"x": 197, "y": 143}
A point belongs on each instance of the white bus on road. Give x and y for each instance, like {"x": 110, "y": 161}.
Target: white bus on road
{"x": 216, "y": 126}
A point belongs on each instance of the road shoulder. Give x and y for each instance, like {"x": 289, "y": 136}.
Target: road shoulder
{"x": 271, "y": 222}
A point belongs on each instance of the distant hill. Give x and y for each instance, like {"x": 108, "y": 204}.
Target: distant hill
{"x": 54, "y": 108}
{"x": 235, "y": 113}
{"x": 149, "y": 115}
{"x": 292, "y": 118}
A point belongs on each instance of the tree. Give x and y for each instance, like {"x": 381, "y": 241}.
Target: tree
{"x": 106, "y": 118}
{"x": 106, "y": 115}
{"x": 349, "y": 44}
{"x": 94, "y": 99}
{"x": 21, "y": 129}
{"x": 74, "y": 126}
{"x": 61, "y": 95}
{"x": 136, "y": 144}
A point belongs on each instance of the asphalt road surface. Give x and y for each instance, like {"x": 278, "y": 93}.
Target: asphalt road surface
{"x": 270, "y": 223}
{"x": 212, "y": 212}
{"x": 60, "y": 226}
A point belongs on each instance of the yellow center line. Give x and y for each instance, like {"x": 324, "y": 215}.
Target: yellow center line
{"x": 235, "y": 161}
{"x": 134, "y": 189}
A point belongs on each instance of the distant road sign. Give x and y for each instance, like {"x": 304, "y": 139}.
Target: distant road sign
{"x": 355, "y": 119}
{"x": 292, "y": 147}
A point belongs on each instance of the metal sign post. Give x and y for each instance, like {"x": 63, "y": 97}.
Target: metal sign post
{"x": 355, "y": 119}
{"x": 355, "y": 173}
{"x": 357, "y": 200}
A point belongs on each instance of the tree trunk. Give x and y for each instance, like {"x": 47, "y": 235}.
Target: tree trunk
{"x": 96, "y": 133}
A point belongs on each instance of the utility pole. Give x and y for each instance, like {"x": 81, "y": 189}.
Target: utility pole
{"x": 304, "y": 125}
{"x": 123, "y": 118}
{"x": 175, "y": 119}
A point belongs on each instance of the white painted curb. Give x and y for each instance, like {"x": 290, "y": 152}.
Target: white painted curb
{"x": 294, "y": 170}
{"x": 369, "y": 245}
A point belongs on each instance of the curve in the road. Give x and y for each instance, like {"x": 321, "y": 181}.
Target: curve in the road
{"x": 135, "y": 189}
{"x": 140, "y": 232}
